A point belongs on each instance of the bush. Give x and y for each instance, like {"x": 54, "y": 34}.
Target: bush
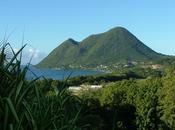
{"x": 25, "y": 105}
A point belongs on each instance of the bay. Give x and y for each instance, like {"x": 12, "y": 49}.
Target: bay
{"x": 58, "y": 74}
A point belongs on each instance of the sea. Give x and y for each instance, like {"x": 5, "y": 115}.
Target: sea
{"x": 57, "y": 74}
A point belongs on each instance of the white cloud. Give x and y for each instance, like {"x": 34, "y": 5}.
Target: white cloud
{"x": 15, "y": 50}
{"x": 33, "y": 55}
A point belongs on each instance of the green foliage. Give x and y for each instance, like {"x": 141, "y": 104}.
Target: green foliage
{"x": 167, "y": 96}
{"x": 126, "y": 101}
{"x": 26, "y": 105}
{"x": 102, "y": 78}
{"x": 114, "y": 46}
{"x": 145, "y": 104}
{"x": 167, "y": 61}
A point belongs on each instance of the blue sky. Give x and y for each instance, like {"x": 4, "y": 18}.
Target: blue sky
{"x": 47, "y": 23}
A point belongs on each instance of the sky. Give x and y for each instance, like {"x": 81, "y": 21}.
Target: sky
{"x": 45, "y": 24}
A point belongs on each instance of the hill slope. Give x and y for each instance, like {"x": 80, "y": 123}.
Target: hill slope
{"x": 113, "y": 46}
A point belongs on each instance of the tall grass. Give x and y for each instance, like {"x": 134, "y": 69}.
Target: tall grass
{"x": 24, "y": 105}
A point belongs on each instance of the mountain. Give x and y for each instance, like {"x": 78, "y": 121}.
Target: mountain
{"x": 114, "y": 46}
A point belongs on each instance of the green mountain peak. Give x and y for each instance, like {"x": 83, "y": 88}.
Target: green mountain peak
{"x": 118, "y": 29}
{"x": 108, "y": 48}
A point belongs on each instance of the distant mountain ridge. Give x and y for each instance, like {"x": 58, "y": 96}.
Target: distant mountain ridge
{"x": 113, "y": 46}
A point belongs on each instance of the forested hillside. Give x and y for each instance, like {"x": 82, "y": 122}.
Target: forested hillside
{"x": 117, "y": 45}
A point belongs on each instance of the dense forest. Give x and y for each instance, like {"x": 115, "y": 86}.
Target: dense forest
{"x": 135, "y": 99}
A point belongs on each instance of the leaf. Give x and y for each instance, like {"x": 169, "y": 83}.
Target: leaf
{"x": 12, "y": 109}
{"x": 18, "y": 89}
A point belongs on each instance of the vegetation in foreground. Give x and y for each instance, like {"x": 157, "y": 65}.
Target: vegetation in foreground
{"x": 125, "y": 104}
{"x": 26, "y": 105}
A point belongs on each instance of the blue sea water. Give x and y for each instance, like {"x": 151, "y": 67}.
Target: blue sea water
{"x": 58, "y": 74}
